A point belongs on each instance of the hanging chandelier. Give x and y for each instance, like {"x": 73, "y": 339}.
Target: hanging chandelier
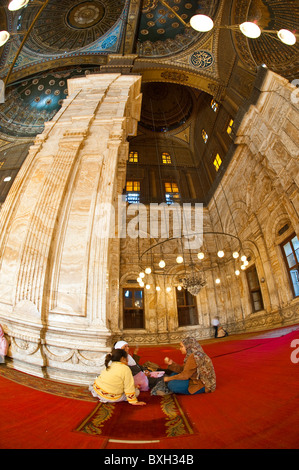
{"x": 187, "y": 270}
{"x": 193, "y": 282}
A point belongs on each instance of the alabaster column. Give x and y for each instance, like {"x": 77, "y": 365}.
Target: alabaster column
{"x": 57, "y": 241}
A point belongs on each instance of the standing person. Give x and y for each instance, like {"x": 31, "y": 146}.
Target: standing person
{"x": 215, "y": 324}
{"x": 116, "y": 383}
{"x": 3, "y": 346}
{"x": 197, "y": 375}
{"x": 140, "y": 379}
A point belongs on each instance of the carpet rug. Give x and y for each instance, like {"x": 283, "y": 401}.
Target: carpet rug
{"x": 78, "y": 392}
{"x": 162, "y": 417}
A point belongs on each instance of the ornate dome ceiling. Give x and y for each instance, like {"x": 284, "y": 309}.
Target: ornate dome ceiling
{"x": 29, "y": 104}
{"x": 267, "y": 49}
{"x": 67, "y": 25}
{"x": 165, "y": 106}
{"x": 70, "y": 32}
{"x": 162, "y": 33}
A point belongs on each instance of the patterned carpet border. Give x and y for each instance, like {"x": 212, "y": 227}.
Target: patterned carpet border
{"x": 105, "y": 420}
{"x": 77, "y": 392}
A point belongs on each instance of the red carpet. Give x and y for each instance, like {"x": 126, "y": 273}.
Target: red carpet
{"x": 162, "y": 417}
{"x": 255, "y": 405}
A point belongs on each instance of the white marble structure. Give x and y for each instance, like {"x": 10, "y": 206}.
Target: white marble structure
{"x": 56, "y": 276}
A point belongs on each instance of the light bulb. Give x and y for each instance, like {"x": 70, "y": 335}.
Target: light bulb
{"x": 158, "y": 288}
{"x": 141, "y": 284}
{"x": 147, "y": 286}
{"x": 141, "y": 275}
{"x": 4, "y": 37}
{"x": 139, "y": 279}
{"x": 200, "y": 255}
{"x": 235, "y": 254}
{"x": 243, "y": 258}
{"x": 217, "y": 281}
{"x": 17, "y": 4}
{"x": 179, "y": 288}
{"x": 243, "y": 267}
{"x": 201, "y": 23}
{"x": 179, "y": 259}
{"x": 168, "y": 289}
{"x": 220, "y": 253}
{"x": 162, "y": 264}
{"x": 286, "y": 37}
{"x": 237, "y": 272}
{"x": 250, "y": 30}
{"x": 245, "y": 263}
{"x": 148, "y": 270}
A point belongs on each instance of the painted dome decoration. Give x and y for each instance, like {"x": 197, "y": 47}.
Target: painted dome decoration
{"x": 162, "y": 33}
{"x": 68, "y": 25}
{"x": 34, "y": 101}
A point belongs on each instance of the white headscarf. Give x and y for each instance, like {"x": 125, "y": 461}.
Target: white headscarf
{"x": 119, "y": 345}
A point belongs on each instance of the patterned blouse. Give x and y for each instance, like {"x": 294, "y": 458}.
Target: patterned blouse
{"x": 198, "y": 368}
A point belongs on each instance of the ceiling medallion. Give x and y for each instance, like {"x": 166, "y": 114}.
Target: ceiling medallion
{"x": 85, "y": 14}
{"x": 202, "y": 59}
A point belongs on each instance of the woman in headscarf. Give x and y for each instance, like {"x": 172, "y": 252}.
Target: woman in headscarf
{"x": 116, "y": 383}
{"x": 197, "y": 375}
{"x": 3, "y": 346}
{"x": 140, "y": 379}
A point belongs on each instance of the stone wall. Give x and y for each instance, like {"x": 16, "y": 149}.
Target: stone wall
{"x": 257, "y": 196}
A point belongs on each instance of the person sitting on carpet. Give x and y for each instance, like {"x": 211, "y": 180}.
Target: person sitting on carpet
{"x": 221, "y": 333}
{"x": 116, "y": 383}
{"x": 197, "y": 375}
{"x": 140, "y": 378}
{"x": 3, "y": 346}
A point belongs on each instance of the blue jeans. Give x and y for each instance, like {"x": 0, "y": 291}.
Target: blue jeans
{"x": 181, "y": 386}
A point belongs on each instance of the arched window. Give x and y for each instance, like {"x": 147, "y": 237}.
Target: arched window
{"x": 166, "y": 158}
{"x": 133, "y": 308}
{"x": 172, "y": 193}
{"x": 187, "y": 309}
{"x": 229, "y": 127}
{"x": 254, "y": 289}
{"x": 217, "y": 162}
{"x": 133, "y": 157}
{"x": 133, "y": 192}
{"x": 290, "y": 249}
{"x": 214, "y": 105}
{"x": 204, "y": 136}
